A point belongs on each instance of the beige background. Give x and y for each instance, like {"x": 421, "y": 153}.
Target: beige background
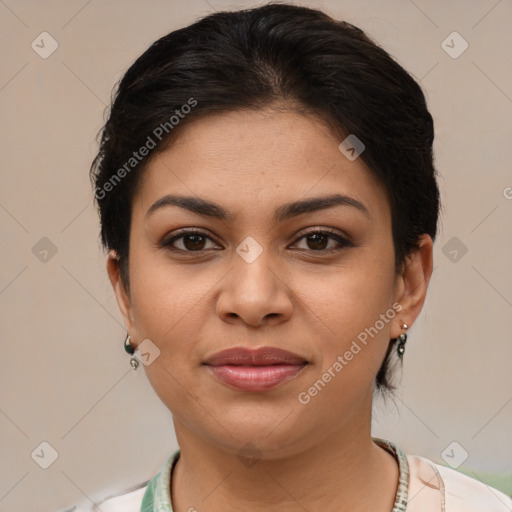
{"x": 65, "y": 378}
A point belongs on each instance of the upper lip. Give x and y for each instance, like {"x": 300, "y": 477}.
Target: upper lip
{"x": 254, "y": 356}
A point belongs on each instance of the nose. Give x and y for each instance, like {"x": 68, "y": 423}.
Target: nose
{"x": 255, "y": 294}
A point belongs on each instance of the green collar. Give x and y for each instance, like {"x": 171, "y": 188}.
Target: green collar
{"x": 157, "y": 497}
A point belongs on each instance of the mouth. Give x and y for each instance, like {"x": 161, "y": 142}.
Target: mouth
{"x": 263, "y": 356}
{"x": 255, "y": 369}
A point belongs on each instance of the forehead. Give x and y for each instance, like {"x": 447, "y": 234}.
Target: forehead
{"x": 250, "y": 160}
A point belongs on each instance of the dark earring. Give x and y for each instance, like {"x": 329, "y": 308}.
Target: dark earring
{"x": 130, "y": 350}
{"x": 401, "y": 342}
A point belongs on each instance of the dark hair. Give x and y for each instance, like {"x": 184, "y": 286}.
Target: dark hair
{"x": 276, "y": 54}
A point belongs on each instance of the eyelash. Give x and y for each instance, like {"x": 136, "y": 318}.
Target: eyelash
{"x": 344, "y": 242}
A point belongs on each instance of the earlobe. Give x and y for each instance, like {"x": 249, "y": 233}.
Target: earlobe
{"x": 412, "y": 285}
{"x": 122, "y": 297}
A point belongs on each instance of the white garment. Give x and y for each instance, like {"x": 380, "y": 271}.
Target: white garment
{"x": 435, "y": 488}
{"x": 432, "y": 488}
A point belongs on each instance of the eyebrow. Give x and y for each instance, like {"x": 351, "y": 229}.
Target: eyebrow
{"x": 284, "y": 212}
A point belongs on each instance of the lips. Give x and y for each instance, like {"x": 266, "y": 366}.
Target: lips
{"x": 255, "y": 369}
{"x": 263, "y": 356}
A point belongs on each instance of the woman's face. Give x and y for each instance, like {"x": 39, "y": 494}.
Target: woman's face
{"x": 254, "y": 279}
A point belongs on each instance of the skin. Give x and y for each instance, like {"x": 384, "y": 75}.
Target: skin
{"x": 293, "y": 296}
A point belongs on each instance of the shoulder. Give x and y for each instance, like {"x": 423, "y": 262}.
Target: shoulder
{"x": 137, "y": 498}
{"x": 129, "y": 500}
{"x": 445, "y": 489}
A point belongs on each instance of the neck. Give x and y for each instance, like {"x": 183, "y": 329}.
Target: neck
{"x": 346, "y": 470}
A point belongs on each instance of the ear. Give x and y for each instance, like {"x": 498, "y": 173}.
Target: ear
{"x": 411, "y": 286}
{"x": 122, "y": 296}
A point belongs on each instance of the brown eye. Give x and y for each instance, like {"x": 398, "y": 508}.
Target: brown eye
{"x": 194, "y": 242}
{"x": 188, "y": 241}
{"x": 319, "y": 241}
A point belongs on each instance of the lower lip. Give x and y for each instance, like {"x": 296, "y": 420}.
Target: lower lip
{"x": 256, "y": 378}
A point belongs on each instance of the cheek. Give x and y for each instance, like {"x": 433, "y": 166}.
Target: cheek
{"x": 354, "y": 304}
{"x": 162, "y": 305}
{"x": 167, "y": 310}
{"x": 162, "y": 292}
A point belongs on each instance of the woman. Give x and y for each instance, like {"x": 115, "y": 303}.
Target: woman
{"x": 268, "y": 200}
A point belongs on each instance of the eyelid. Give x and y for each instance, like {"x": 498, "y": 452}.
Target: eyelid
{"x": 319, "y": 229}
